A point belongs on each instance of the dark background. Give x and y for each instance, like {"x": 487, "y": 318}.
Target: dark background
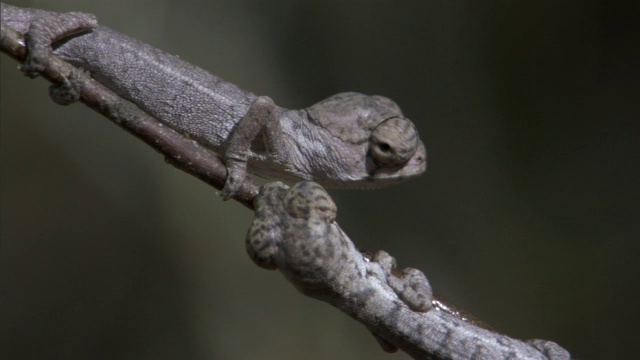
{"x": 527, "y": 216}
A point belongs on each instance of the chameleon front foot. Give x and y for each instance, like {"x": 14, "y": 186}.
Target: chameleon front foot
{"x": 260, "y": 120}
{"x": 236, "y": 173}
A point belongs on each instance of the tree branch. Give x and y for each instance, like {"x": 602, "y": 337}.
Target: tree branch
{"x": 295, "y": 231}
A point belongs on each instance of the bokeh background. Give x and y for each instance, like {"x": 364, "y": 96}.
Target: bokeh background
{"x": 527, "y": 216}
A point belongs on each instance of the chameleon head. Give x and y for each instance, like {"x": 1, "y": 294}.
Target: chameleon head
{"x": 375, "y": 144}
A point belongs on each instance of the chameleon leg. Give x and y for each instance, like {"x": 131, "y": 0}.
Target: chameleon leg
{"x": 43, "y": 32}
{"x": 261, "y": 119}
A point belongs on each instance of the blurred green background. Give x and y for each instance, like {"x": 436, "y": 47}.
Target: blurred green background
{"x": 527, "y": 216}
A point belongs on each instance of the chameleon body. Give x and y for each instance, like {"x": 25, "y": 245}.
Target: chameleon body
{"x": 349, "y": 140}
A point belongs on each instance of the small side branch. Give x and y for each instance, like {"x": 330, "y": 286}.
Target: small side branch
{"x": 183, "y": 153}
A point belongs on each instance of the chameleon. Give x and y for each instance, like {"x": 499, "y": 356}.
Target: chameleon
{"x": 349, "y": 140}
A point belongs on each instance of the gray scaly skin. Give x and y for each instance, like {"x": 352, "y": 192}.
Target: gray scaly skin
{"x": 349, "y": 140}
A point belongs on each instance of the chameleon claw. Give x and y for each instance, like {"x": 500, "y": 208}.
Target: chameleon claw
{"x": 226, "y": 193}
{"x": 231, "y": 186}
{"x": 236, "y": 172}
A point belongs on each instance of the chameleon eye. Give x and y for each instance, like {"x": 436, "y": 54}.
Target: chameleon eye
{"x": 393, "y": 142}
